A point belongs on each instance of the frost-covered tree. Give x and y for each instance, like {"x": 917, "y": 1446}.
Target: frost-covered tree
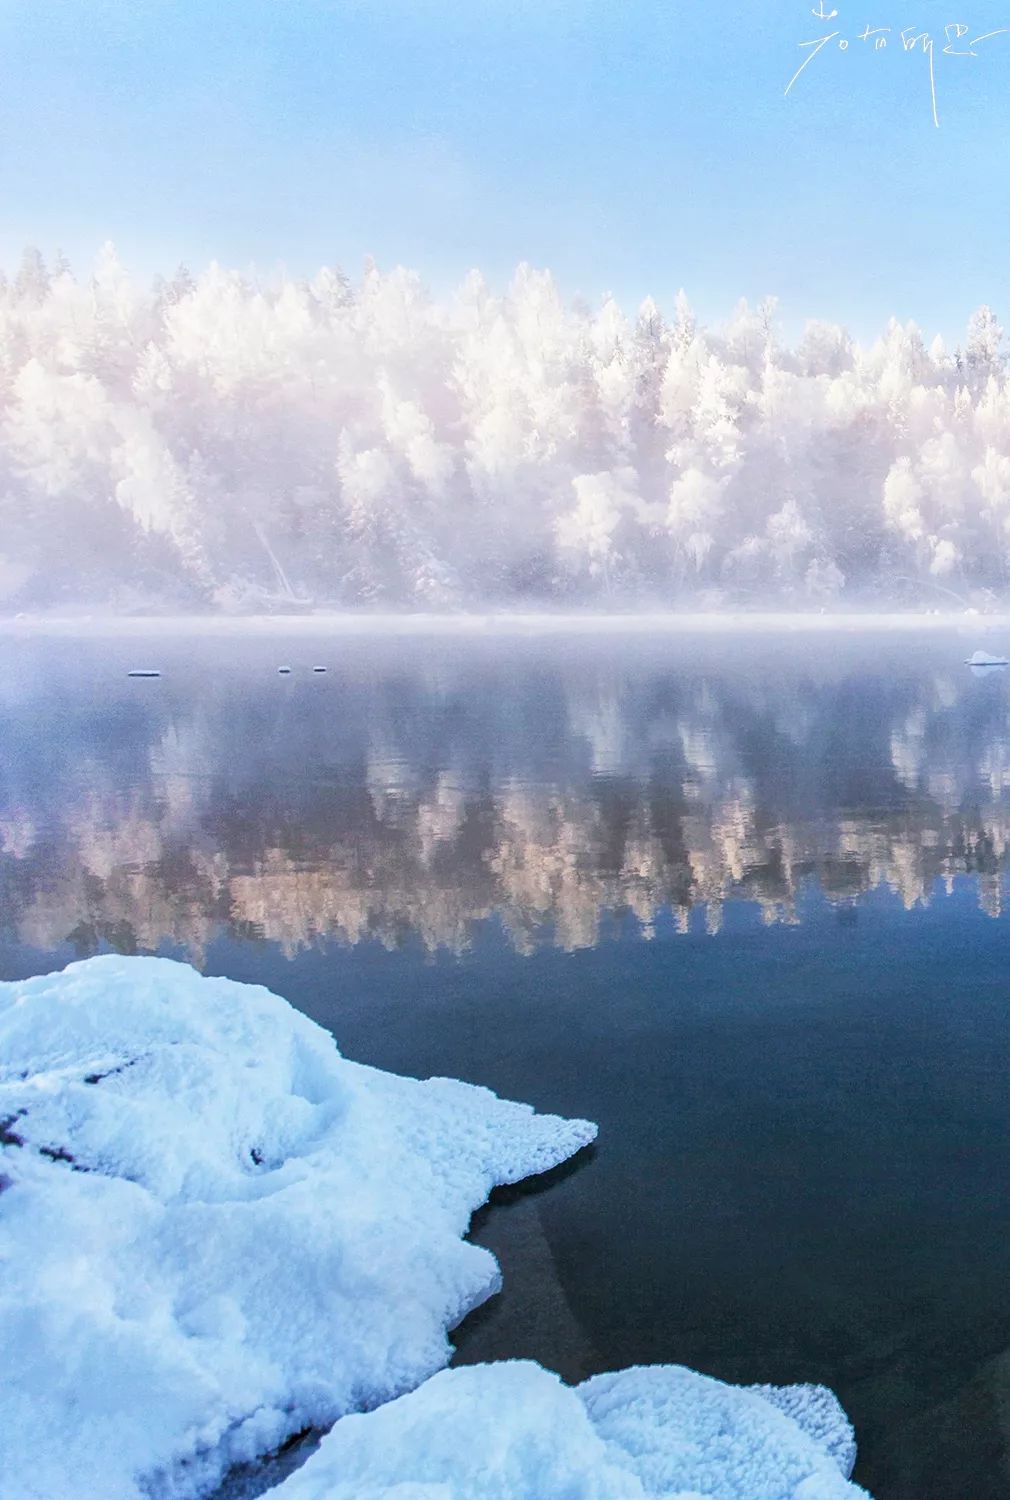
{"x": 221, "y": 441}
{"x": 983, "y": 349}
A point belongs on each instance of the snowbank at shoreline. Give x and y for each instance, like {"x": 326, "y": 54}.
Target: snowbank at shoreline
{"x": 215, "y": 1231}
{"x": 512, "y": 1431}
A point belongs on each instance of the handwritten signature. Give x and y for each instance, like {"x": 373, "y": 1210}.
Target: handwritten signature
{"x": 910, "y": 39}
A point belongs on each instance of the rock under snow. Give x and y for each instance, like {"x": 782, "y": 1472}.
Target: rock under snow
{"x": 215, "y": 1231}
{"x": 512, "y": 1431}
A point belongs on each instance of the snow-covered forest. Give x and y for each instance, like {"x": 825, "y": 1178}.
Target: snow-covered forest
{"x": 223, "y": 443}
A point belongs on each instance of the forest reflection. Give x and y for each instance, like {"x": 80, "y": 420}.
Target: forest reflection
{"x": 415, "y": 804}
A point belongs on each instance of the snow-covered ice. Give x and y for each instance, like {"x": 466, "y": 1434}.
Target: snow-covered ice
{"x": 216, "y": 1231}
{"x": 512, "y": 1431}
{"x": 985, "y": 659}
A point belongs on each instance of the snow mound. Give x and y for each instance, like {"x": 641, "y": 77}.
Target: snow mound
{"x": 984, "y": 659}
{"x": 215, "y": 1231}
{"x": 512, "y": 1431}
{"x": 819, "y": 1412}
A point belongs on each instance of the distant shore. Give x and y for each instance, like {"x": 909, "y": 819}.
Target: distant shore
{"x": 499, "y": 623}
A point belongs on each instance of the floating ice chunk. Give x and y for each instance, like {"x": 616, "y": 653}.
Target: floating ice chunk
{"x": 215, "y": 1231}
{"x": 319, "y": 669}
{"x": 144, "y": 672}
{"x": 983, "y": 659}
{"x": 512, "y": 1431}
{"x": 284, "y": 671}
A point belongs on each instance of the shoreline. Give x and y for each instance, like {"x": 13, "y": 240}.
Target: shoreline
{"x": 503, "y": 623}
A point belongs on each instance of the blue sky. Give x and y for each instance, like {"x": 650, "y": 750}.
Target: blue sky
{"x": 631, "y": 148}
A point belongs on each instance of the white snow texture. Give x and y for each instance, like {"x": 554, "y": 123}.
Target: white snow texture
{"x": 215, "y": 1231}
{"x": 512, "y": 1431}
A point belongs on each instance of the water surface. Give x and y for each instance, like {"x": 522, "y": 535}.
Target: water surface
{"x": 739, "y": 901}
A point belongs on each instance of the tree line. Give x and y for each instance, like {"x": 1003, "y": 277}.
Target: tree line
{"x": 219, "y": 442}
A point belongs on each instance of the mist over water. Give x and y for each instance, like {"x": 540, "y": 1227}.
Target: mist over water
{"x": 741, "y": 901}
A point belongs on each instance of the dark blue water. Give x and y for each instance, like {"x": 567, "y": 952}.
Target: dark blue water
{"x": 744, "y": 908}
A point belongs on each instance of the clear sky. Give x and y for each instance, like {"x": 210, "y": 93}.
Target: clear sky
{"x": 631, "y": 147}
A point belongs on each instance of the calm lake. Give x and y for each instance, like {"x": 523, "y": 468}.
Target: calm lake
{"x": 741, "y": 902}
